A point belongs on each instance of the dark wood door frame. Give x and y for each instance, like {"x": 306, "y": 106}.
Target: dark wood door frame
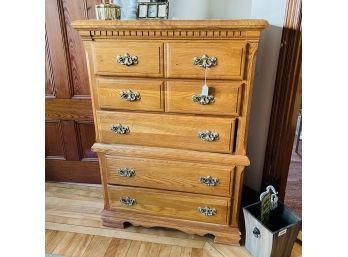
{"x": 286, "y": 101}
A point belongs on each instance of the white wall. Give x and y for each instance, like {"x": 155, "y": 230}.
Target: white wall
{"x": 265, "y": 73}
{"x": 266, "y": 66}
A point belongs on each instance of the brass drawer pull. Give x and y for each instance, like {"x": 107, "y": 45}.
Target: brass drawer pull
{"x": 125, "y": 200}
{"x": 209, "y": 181}
{"x": 127, "y": 59}
{"x": 205, "y": 61}
{"x": 206, "y": 211}
{"x": 130, "y": 96}
{"x": 125, "y": 172}
{"x": 208, "y": 135}
{"x": 120, "y": 129}
{"x": 203, "y": 99}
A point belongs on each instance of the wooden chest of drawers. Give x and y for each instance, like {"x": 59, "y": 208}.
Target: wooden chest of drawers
{"x": 172, "y": 154}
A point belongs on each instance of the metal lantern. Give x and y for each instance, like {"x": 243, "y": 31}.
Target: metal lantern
{"x": 107, "y": 11}
{"x": 153, "y": 9}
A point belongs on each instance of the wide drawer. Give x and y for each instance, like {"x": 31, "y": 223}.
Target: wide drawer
{"x": 130, "y": 94}
{"x": 181, "y": 62}
{"x": 224, "y": 98}
{"x": 208, "y": 134}
{"x": 129, "y": 58}
{"x": 211, "y": 209}
{"x": 171, "y": 175}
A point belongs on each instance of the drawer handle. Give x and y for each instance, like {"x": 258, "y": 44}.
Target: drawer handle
{"x": 209, "y": 181}
{"x": 206, "y": 211}
{"x": 205, "y": 61}
{"x": 125, "y": 172}
{"x": 256, "y": 232}
{"x": 208, "y": 135}
{"x": 125, "y": 200}
{"x": 203, "y": 99}
{"x": 120, "y": 129}
{"x": 130, "y": 96}
{"x": 127, "y": 59}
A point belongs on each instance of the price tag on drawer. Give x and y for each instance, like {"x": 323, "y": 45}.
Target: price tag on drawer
{"x": 205, "y": 90}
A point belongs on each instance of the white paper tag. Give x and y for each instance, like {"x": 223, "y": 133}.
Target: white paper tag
{"x": 282, "y": 232}
{"x": 205, "y": 90}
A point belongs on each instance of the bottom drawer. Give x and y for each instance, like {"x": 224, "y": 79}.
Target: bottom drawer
{"x": 172, "y": 204}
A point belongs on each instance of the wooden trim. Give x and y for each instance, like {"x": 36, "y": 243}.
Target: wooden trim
{"x": 286, "y": 101}
{"x": 169, "y": 24}
{"x": 68, "y": 109}
{"x": 73, "y": 171}
{"x": 171, "y": 154}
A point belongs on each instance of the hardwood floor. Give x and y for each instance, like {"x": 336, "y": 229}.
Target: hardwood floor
{"x": 73, "y": 228}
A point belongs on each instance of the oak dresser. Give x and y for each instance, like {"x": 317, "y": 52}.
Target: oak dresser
{"x": 172, "y": 147}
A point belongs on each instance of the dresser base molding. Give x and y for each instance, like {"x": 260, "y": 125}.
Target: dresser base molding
{"x": 223, "y": 234}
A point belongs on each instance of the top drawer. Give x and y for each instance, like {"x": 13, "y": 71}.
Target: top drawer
{"x": 129, "y": 58}
{"x": 184, "y": 60}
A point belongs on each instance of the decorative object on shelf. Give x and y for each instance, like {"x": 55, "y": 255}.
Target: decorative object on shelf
{"x": 269, "y": 202}
{"x": 153, "y": 9}
{"x": 107, "y": 11}
{"x": 128, "y": 9}
{"x": 271, "y": 228}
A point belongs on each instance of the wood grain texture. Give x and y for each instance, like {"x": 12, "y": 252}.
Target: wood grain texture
{"x": 227, "y": 97}
{"x": 230, "y": 59}
{"x": 64, "y": 109}
{"x": 72, "y": 171}
{"x": 86, "y": 137}
{"x": 56, "y": 56}
{"x": 78, "y": 212}
{"x": 170, "y": 175}
{"x": 171, "y": 154}
{"x": 243, "y": 120}
{"x": 170, "y": 204}
{"x": 150, "y": 58}
{"x": 169, "y": 59}
{"x": 173, "y": 131}
{"x": 76, "y": 10}
{"x": 245, "y": 24}
{"x": 150, "y": 92}
{"x": 54, "y": 144}
{"x": 223, "y": 233}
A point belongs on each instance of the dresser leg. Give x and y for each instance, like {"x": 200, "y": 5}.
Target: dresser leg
{"x": 113, "y": 222}
{"x": 228, "y": 240}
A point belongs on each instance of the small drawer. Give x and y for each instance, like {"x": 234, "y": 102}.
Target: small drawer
{"x": 211, "y": 209}
{"x": 143, "y": 95}
{"x": 209, "y": 134}
{"x": 188, "y": 60}
{"x": 129, "y": 58}
{"x": 171, "y": 175}
{"x": 224, "y": 98}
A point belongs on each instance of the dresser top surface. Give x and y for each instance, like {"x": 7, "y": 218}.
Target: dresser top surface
{"x": 245, "y": 24}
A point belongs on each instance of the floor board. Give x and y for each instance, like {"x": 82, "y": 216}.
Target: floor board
{"x": 74, "y": 229}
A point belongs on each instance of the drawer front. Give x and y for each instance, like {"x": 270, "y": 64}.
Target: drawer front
{"x": 129, "y": 58}
{"x": 171, "y": 175}
{"x": 170, "y": 204}
{"x": 223, "y": 98}
{"x": 130, "y": 94}
{"x": 230, "y": 58}
{"x": 176, "y": 131}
